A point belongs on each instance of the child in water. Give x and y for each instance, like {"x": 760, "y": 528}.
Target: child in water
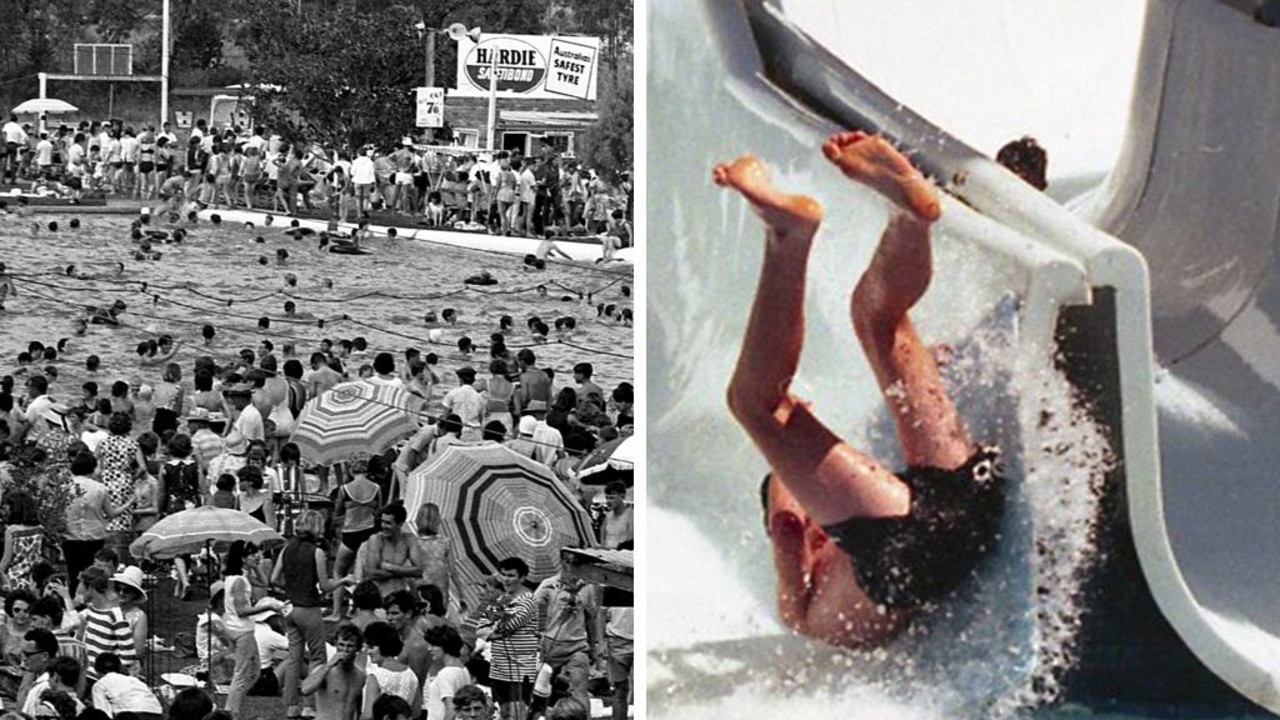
{"x": 7, "y": 287}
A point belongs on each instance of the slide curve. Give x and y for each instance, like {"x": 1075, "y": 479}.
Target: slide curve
{"x": 1197, "y": 191}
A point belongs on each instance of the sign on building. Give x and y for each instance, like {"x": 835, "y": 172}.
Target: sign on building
{"x": 529, "y": 66}
{"x": 572, "y": 68}
{"x": 430, "y": 105}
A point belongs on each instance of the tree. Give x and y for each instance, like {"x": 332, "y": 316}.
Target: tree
{"x": 197, "y": 37}
{"x": 609, "y": 144}
{"x": 339, "y": 76}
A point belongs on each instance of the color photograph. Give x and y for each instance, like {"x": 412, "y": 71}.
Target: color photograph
{"x": 959, "y": 313}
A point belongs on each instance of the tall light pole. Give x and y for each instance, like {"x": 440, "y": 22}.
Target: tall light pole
{"x": 164, "y": 67}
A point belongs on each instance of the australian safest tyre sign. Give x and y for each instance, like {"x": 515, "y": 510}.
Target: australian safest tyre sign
{"x": 528, "y": 66}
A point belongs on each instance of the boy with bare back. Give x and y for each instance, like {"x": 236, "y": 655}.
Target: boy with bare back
{"x": 339, "y": 682}
{"x": 7, "y": 287}
{"x": 858, "y": 549}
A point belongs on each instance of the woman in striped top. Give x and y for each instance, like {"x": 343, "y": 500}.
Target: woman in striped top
{"x": 103, "y": 626}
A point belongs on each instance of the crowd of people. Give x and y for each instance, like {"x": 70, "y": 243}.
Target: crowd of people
{"x": 360, "y": 614}
{"x": 502, "y": 192}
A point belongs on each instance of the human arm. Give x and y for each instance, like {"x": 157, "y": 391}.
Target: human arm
{"x": 241, "y": 598}
{"x": 316, "y": 678}
{"x": 517, "y": 613}
{"x": 102, "y": 698}
{"x": 140, "y": 629}
{"x": 372, "y": 691}
{"x": 327, "y": 584}
{"x": 110, "y": 509}
{"x": 412, "y": 568}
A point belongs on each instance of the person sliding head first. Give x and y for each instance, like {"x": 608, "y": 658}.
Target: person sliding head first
{"x": 857, "y": 548}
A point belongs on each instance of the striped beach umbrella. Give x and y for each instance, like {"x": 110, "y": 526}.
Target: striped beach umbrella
{"x": 496, "y": 504}
{"x": 612, "y": 460}
{"x": 188, "y": 531}
{"x": 353, "y": 417}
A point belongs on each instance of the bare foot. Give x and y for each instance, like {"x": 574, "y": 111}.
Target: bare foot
{"x": 871, "y": 160}
{"x": 788, "y": 215}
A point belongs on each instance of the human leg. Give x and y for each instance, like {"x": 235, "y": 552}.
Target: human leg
{"x": 621, "y": 661}
{"x": 246, "y": 672}
{"x": 830, "y": 479}
{"x": 928, "y": 425}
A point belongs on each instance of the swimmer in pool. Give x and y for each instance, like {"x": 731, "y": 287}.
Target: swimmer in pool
{"x": 7, "y": 287}
{"x": 548, "y": 249}
{"x": 858, "y": 549}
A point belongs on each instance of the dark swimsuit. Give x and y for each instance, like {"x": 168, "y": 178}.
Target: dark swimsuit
{"x": 953, "y": 523}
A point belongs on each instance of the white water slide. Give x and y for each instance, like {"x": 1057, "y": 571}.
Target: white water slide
{"x": 1149, "y": 305}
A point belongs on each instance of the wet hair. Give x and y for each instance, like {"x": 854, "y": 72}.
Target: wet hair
{"x": 107, "y": 663}
{"x": 624, "y": 393}
{"x": 190, "y": 704}
{"x": 251, "y": 474}
{"x": 446, "y": 638}
{"x": 384, "y": 637}
{"x": 468, "y": 695}
{"x": 180, "y": 446}
{"x": 48, "y": 607}
{"x": 396, "y": 510}
{"x": 402, "y": 599}
{"x": 366, "y": 596}
{"x": 119, "y": 424}
{"x": 514, "y": 563}
{"x": 95, "y": 578}
{"x": 350, "y": 633}
{"x": 390, "y": 707}
{"x": 203, "y": 381}
{"x": 207, "y": 332}
{"x": 494, "y": 430}
{"x": 451, "y": 423}
{"x": 84, "y": 464}
{"x": 1026, "y": 159}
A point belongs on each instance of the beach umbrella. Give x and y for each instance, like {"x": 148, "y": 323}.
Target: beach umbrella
{"x": 353, "y": 417}
{"x": 190, "y": 530}
{"x": 496, "y": 504}
{"x": 39, "y": 106}
{"x": 612, "y": 460}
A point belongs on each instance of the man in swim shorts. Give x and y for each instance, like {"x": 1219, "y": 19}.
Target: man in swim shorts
{"x": 859, "y": 550}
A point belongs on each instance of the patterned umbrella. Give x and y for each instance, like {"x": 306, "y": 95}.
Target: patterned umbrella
{"x": 612, "y": 460}
{"x": 351, "y": 418}
{"x": 188, "y": 531}
{"x": 496, "y": 504}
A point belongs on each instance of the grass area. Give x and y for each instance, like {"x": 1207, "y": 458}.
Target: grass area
{"x": 168, "y": 617}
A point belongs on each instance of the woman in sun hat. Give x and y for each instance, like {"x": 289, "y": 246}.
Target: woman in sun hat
{"x": 128, "y": 586}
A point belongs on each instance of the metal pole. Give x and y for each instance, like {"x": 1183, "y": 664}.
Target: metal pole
{"x": 164, "y": 68}
{"x": 431, "y": 57}
{"x": 44, "y": 86}
{"x": 493, "y": 94}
